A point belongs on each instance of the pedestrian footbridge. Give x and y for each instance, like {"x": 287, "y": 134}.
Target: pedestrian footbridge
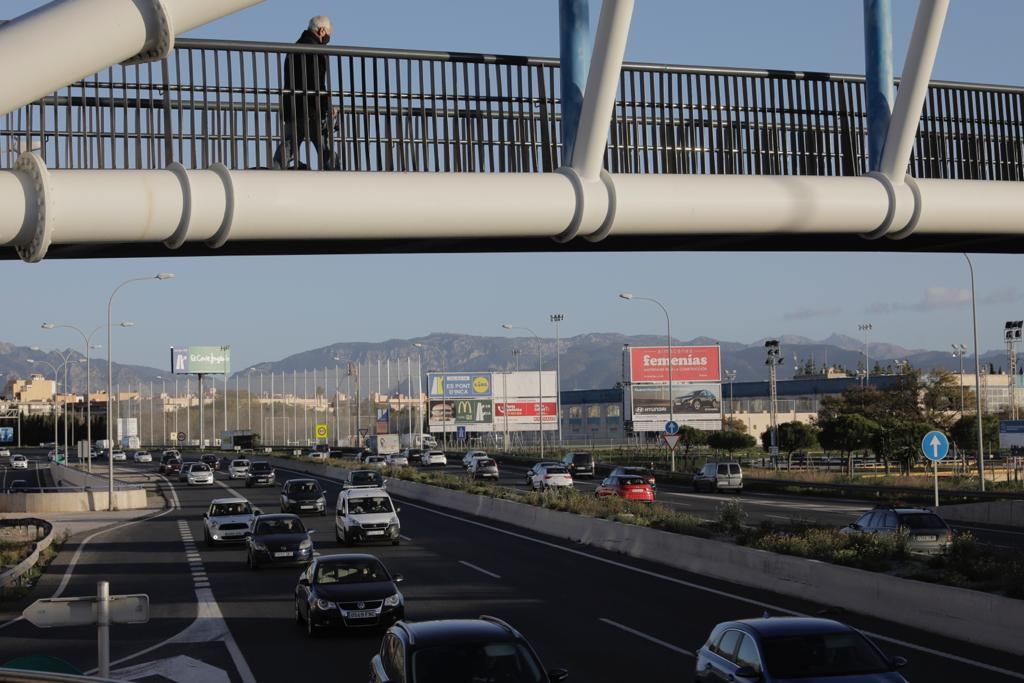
{"x": 153, "y": 146}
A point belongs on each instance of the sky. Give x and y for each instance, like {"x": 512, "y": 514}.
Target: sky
{"x": 269, "y": 308}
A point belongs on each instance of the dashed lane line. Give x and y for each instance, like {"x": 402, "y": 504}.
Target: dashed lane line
{"x": 479, "y": 569}
{"x": 641, "y": 634}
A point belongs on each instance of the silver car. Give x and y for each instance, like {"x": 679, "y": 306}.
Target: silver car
{"x": 719, "y": 476}
{"x": 926, "y": 533}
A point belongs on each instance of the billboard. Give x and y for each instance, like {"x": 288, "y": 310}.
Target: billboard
{"x": 6, "y": 434}
{"x": 524, "y": 413}
{"x": 201, "y": 360}
{"x": 459, "y": 385}
{"x": 1011, "y": 434}
{"x": 649, "y": 364}
{"x": 687, "y": 400}
{"x": 463, "y": 411}
{"x": 127, "y": 427}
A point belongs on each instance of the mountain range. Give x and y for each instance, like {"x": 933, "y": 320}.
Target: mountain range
{"x": 587, "y": 361}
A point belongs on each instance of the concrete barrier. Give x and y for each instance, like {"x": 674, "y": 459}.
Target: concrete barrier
{"x": 12, "y": 576}
{"x": 997, "y": 513}
{"x": 980, "y": 618}
{"x": 88, "y": 493}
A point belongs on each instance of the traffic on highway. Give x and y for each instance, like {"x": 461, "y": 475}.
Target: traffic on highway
{"x": 257, "y": 580}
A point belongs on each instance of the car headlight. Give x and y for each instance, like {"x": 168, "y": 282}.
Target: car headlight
{"x": 355, "y": 522}
{"x": 306, "y": 545}
{"x": 213, "y": 524}
{"x": 324, "y": 605}
{"x": 394, "y": 521}
{"x": 321, "y": 501}
{"x": 393, "y": 600}
{"x": 259, "y": 546}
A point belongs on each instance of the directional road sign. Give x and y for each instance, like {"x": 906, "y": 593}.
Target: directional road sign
{"x": 671, "y": 427}
{"x": 460, "y": 433}
{"x": 935, "y": 445}
{"x": 50, "y": 612}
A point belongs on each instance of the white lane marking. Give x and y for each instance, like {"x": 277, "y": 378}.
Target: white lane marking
{"x": 715, "y": 591}
{"x": 479, "y": 569}
{"x": 640, "y": 634}
{"x": 81, "y": 546}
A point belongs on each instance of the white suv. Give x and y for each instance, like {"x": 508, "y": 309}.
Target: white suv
{"x": 366, "y": 515}
{"x": 228, "y": 519}
{"x": 238, "y": 469}
{"x": 433, "y": 457}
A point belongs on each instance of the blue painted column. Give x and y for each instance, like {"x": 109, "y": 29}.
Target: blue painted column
{"x": 878, "y": 69}
{"x": 574, "y": 55}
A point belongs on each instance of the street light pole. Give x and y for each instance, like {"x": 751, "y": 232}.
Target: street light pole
{"x": 958, "y": 352}
{"x": 668, "y": 327}
{"x": 56, "y": 440}
{"x": 540, "y": 383}
{"x": 87, "y": 339}
{"x": 977, "y": 377}
{"x": 730, "y": 375}
{"x": 110, "y": 383}
{"x": 865, "y": 328}
{"x": 557, "y": 318}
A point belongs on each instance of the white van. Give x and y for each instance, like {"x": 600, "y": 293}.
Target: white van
{"x": 366, "y": 515}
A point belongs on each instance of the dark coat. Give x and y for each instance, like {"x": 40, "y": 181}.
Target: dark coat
{"x": 305, "y": 75}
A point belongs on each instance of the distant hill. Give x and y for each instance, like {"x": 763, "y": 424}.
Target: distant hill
{"x": 588, "y": 361}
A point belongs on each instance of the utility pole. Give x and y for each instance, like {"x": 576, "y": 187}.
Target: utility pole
{"x": 1012, "y": 335}
{"x": 557, "y": 318}
{"x": 773, "y": 361}
{"x": 866, "y": 328}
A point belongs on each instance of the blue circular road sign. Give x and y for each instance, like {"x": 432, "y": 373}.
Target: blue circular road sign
{"x": 935, "y": 445}
{"x": 671, "y": 427}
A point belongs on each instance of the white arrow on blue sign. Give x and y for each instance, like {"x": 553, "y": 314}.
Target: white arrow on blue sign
{"x": 935, "y": 445}
{"x": 671, "y": 427}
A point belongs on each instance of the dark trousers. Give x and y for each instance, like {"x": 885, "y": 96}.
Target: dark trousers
{"x": 297, "y": 132}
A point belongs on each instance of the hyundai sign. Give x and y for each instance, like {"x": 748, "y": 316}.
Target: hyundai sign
{"x": 201, "y": 360}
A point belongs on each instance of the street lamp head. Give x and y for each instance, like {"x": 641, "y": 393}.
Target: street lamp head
{"x": 165, "y": 276}
{"x": 127, "y": 323}
{"x": 506, "y": 326}
{"x": 625, "y": 295}
{"x": 48, "y": 326}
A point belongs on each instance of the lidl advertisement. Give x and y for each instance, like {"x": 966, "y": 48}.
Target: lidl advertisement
{"x": 462, "y": 385}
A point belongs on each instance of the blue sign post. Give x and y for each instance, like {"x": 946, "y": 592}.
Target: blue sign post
{"x": 671, "y": 427}
{"x": 935, "y": 446}
{"x": 460, "y": 433}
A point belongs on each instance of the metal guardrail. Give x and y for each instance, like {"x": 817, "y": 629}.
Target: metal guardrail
{"x": 13, "y": 576}
{"x": 400, "y": 110}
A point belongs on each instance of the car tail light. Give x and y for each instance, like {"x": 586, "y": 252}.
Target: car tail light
{"x": 547, "y": 476}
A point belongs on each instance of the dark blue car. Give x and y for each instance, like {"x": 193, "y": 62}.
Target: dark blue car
{"x": 784, "y": 649}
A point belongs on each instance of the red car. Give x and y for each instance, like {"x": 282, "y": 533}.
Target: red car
{"x": 630, "y": 487}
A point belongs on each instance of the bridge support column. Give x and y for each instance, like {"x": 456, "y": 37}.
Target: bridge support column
{"x": 878, "y": 70}
{"x": 89, "y": 36}
{"x": 574, "y": 60}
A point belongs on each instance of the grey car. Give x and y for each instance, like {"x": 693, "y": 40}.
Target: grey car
{"x": 925, "y": 531}
{"x": 783, "y": 649}
{"x": 719, "y": 476}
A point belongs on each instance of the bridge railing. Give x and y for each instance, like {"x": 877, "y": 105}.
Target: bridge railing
{"x": 222, "y": 102}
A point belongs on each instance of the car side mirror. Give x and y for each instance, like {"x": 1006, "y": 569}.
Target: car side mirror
{"x": 205, "y": 516}
{"x": 257, "y": 511}
{"x": 747, "y": 672}
{"x": 855, "y": 526}
{"x": 397, "y": 578}
{"x": 248, "y": 534}
{"x": 557, "y": 675}
{"x": 398, "y": 509}
{"x": 310, "y": 532}
{"x": 898, "y": 662}
{"x": 303, "y": 581}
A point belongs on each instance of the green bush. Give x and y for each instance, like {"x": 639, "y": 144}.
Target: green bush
{"x": 875, "y": 552}
{"x": 731, "y": 516}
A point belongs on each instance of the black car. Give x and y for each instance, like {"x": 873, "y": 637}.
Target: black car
{"x": 278, "y": 539}
{"x": 363, "y": 479}
{"x": 579, "y": 464}
{"x": 303, "y": 495}
{"x": 700, "y": 401}
{"x": 261, "y": 473}
{"x": 350, "y": 591}
{"x": 211, "y": 460}
{"x": 457, "y": 650}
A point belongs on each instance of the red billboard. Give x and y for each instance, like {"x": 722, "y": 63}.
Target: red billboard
{"x": 524, "y": 409}
{"x": 689, "y": 364}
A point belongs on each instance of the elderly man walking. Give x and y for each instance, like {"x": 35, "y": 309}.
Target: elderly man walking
{"x": 308, "y": 114}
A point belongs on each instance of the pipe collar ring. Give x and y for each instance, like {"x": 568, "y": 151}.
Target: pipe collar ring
{"x": 908, "y": 229}
{"x": 33, "y": 166}
{"x": 220, "y": 238}
{"x": 884, "y": 229}
{"x": 577, "y": 218}
{"x": 177, "y": 239}
{"x": 162, "y": 43}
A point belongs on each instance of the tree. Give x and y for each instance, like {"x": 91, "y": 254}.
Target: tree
{"x": 846, "y": 433}
{"x": 965, "y": 432}
{"x": 734, "y": 424}
{"x": 730, "y": 440}
{"x": 793, "y": 436}
{"x": 941, "y": 399}
{"x": 690, "y": 437}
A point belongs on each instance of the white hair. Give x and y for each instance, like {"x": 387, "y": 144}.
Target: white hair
{"x": 320, "y": 22}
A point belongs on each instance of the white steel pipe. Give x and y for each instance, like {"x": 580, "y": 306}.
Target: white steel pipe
{"x": 602, "y": 86}
{"x": 971, "y": 206}
{"x": 83, "y": 37}
{"x": 917, "y": 73}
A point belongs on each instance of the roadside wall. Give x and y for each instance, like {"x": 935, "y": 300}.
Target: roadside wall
{"x": 981, "y": 618}
{"x": 93, "y": 497}
{"x": 998, "y": 513}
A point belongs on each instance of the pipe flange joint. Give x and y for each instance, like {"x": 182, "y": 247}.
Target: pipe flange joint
{"x": 605, "y": 228}
{"x": 908, "y": 230}
{"x": 220, "y": 238}
{"x": 890, "y": 193}
{"x": 33, "y": 166}
{"x": 177, "y": 239}
{"x": 162, "y": 43}
{"x": 577, "y": 218}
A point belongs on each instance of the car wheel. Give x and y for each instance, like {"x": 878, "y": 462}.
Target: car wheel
{"x": 253, "y": 562}
{"x": 207, "y": 539}
{"x": 396, "y": 541}
{"x": 248, "y": 485}
{"x": 310, "y": 629}
{"x": 337, "y": 535}
{"x": 298, "y": 613}
{"x": 323, "y": 513}
{"x": 697, "y": 405}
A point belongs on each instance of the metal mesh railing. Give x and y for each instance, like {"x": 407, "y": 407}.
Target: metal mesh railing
{"x": 223, "y": 102}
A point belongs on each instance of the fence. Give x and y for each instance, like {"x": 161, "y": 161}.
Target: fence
{"x": 221, "y": 102}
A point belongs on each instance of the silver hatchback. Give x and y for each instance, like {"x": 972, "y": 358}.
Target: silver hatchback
{"x": 926, "y": 533}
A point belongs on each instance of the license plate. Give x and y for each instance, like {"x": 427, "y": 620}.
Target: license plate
{"x": 308, "y": 507}
{"x": 927, "y": 538}
{"x": 374, "y": 533}
{"x": 362, "y": 614}
{"x": 288, "y": 554}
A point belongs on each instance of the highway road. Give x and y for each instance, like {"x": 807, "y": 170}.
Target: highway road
{"x": 604, "y": 616}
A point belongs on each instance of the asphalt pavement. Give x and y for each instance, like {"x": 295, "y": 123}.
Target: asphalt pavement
{"x": 604, "y": 616}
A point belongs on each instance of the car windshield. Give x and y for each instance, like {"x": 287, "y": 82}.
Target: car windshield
{"x": 261, "y": 467}
{"x": 199, "y": 467}
{"x": 922, "y": 521}
{"x": 816, "y": 655}
{"x": 240, "y": 463}
{"x": 280, "y": 526}
{"x": 485, "y": 462}
{"x": 362, "y": 477}
{"x": 369, "y": 506}
{"x": 476, "y": 663}
{"x": 351, "y": 571}
{"x": 304, "y": 487}
{"x": 556, "y": 470}
{"x": 228, "y": 509}
{"x": 581, "y": 458}
{"x": 633, "y": 481}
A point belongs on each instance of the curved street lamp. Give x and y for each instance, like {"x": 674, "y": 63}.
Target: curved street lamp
{"x": 540, "y": 384}
{"x": 56, "y": 441}
{"x": 110, "y": 383}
